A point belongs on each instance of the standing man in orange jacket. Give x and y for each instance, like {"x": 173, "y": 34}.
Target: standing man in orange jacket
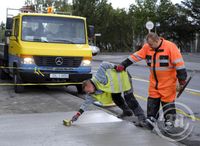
{"x": 166, "y": 66}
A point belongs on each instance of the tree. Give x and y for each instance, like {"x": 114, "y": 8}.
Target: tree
{"x": 63, "y": 6}
{"x": 42, "y": 5}
{"x": 188, "y": 22}
{"x": 192, "y": 9}
{"x": 113, "y": 24}
{"x": 139, "y": 14}
{"x": 2, "y": 31}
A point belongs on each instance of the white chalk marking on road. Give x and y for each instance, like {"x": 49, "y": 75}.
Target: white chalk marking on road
{"x": 138, "y": 79}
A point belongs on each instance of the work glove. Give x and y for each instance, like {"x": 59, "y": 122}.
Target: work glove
{"x": 75, "y": 117}
{"x": 119, "y": 68}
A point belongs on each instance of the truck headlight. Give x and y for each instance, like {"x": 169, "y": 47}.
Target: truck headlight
{"x": 86, "y": 62}
{"x": 27, "y": 60}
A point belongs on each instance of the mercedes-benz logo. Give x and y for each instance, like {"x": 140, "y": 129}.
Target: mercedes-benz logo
{"x": 59, "y": 60}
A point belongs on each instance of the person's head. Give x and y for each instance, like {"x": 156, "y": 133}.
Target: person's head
{"x": 153, "y": 40}
{"x": 88, "y": 86}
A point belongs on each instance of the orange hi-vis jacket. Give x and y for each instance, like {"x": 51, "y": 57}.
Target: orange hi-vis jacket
{"x": 163, "y": 65}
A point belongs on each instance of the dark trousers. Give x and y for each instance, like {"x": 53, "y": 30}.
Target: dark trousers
{"x": 128, "y": 102}
{"x": 153, "y": 106}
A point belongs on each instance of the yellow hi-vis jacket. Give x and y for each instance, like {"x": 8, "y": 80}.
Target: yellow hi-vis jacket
{"x": 118, "y": 82}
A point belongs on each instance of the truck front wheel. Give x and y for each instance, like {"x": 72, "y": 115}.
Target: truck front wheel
{"x": 3, "y": 74}
{"x": 17, "y": 80}
{"x": 79, "y": 88}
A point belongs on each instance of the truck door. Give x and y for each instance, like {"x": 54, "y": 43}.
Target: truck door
{"x": 14, "y": 46}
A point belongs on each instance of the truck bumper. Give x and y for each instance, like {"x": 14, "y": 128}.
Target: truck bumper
{"x": 42, "y": 75}
{"x": 45, "y": 77}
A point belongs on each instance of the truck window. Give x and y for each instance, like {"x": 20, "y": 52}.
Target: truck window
{"x": 16, "y": 29}
{"x": 53, "y": 29}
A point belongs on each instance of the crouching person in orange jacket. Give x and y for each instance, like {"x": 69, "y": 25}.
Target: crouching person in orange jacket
{"x": 166, "y": 66}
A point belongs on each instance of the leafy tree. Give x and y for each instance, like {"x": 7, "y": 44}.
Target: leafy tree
{"x": 112, "y": 24}
{"x": 2, "y": 31}
{"x": 192, "y": 9}
{"x": 63, "y": 6}
{"x": 140, "y": 13}
{"x": 42, "y": 5}
{"x": 187, "y": 22}
{"x": 166, "y": 14}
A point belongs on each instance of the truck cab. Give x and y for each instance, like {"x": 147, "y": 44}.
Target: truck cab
{"x": 47, "y": 48}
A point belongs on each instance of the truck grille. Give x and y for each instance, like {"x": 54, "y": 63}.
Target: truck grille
{"x": 57, "y": 61}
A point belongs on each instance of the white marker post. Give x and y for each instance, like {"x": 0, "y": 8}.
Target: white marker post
{"x": 149, "y": 25}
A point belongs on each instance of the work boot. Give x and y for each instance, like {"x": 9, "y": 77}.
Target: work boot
{"x": 150, "y": 123}
{"x": 125, "y": 113}
{"x": 141, "y": 121}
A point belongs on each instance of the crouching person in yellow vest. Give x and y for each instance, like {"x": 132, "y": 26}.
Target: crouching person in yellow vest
{"x": 107, "y": 86}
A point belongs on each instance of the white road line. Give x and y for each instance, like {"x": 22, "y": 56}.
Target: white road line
{"x": 193, "y": 90}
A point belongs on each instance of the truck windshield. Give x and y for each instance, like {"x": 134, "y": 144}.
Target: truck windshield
{"x": 53, "y": 29}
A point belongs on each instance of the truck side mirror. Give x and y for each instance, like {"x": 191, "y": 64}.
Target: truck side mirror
{"x": 95, "y": 50}
{"x": 9, "y": 23}
{"x": 8, "y": 33}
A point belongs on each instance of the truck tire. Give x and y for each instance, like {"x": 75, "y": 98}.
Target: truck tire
{"x": 79, "y": 88}
{"x": 17, "y": 80}
{"x": 3, "y": 74}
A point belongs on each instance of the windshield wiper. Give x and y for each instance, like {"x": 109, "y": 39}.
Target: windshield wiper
{"x": 40, "y": 40}
{"x": 63, "y": 41}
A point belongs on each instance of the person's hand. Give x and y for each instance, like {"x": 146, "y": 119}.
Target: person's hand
{"x": 119, "y": 68}
{"x": 182, "y": 82}
{"x": 75, "y": 117}
{"x": 181, "y": 85}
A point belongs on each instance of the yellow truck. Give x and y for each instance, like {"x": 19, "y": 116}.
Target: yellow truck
{"x": 45, "y": 48}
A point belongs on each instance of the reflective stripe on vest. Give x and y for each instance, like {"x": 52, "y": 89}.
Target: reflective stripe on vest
{"x": 161, "y": 68}
{"x": 117, "y": 82}
{"x": 178, "y": 60}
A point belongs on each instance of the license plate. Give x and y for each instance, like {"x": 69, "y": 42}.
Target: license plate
{"x": 61, "y": 76}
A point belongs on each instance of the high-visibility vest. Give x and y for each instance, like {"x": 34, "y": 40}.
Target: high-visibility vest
{"x": 118, "y": 82}
{"x": 104, "y": 99}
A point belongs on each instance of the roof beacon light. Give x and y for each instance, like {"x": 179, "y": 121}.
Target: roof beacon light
{"x": 50, "y": 10}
